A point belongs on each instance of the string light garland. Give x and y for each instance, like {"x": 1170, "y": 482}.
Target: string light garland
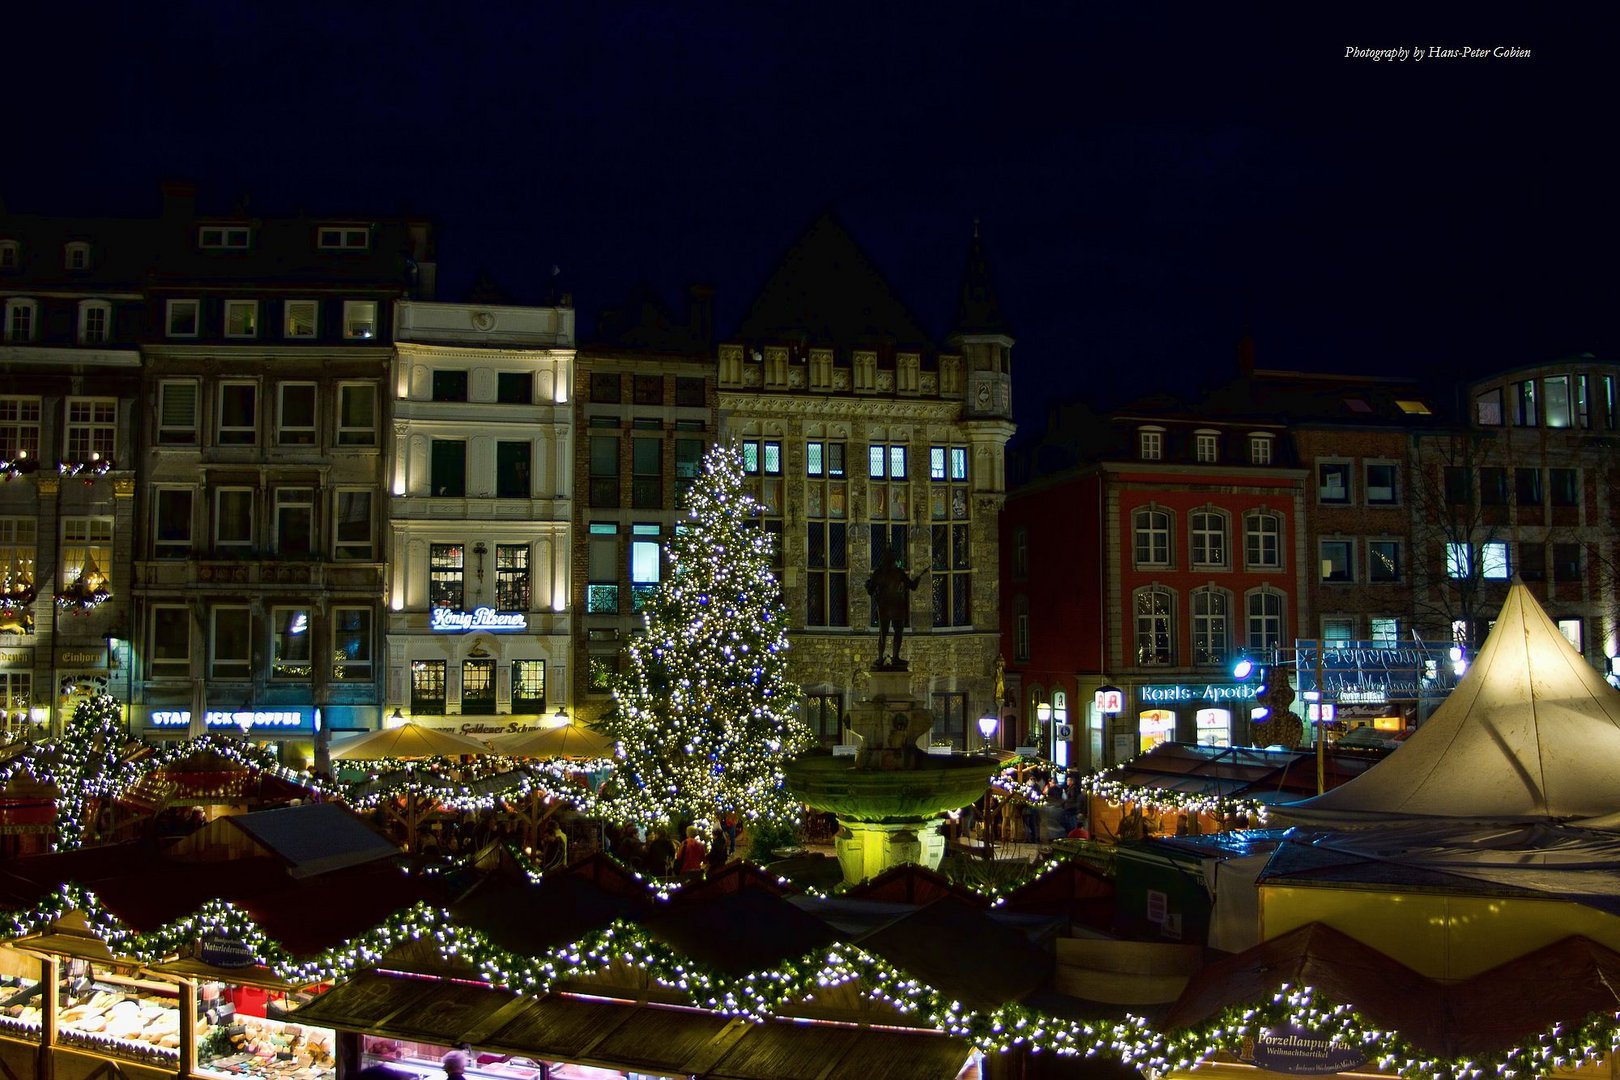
{"x": 1166, "y": 801}
{"x": 21, "y": 465}
{"x": 705, "y": 714}
{"x": 87, "y": 468}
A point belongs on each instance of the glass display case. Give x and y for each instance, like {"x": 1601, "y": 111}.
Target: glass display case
{"x": 106, "y": 1012}
{"x": 20, "y": 1005}
{"x": 241, "y": 1032}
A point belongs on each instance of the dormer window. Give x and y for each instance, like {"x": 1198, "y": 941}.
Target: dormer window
{"x": 224, "y": 237}
{"x": 342, "y": 238}
{"x": 1150, "y": 444}
{"x": 95, "y": 322}
{"x": 1207, "y": 447}
{"x": 1260, "y": 449}
{"x": 76, "y": 256}
{"x": 10, "y": 256}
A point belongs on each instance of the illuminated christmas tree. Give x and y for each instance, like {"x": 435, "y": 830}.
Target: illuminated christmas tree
{"x": 90, "y": 768}
{"x": 706, "y": 714}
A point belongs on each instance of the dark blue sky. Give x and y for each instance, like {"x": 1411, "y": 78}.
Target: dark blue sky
{"x": 1151, "y": 178}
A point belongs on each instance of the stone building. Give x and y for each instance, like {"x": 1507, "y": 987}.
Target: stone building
{"x": 860, "y": 434}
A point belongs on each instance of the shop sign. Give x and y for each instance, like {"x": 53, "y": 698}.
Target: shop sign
{"x": 1372, "y": 672}
{"x": 225, "y": 952}
{"x": 1302, "y": 1052}
{"x": 288, "y": 719}
{"x": 1110, "y": 699}
{"x": 80, "y": 656}
{"x": 17, "y": 656}
{"x": 1182, "y": 693}
{"x": 450, "y": 621}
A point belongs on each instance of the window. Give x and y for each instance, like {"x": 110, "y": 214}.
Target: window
{"x": 827, "y": 570}
{"x": 233, "y": 520}
{"x": 289, "y": 643}
{"x": 1338, "y": 629}
{"x": 1383, "y": 484}
{"x": 1208, "y": 538}
{"x": 951, "y": 574}
{"x": 644, "y": 565}
{"x": 1265, "y": 621}
{"x": 1459, "y": 560}
{"x": 1488, "y": 408}
{"x": 514, "y": 388}
{"x": 18, "y": 547}
{"x": 1524, "y": 403}
{"x": 171, "y": 523}
{"x": 8, "y": 255}
{"x": 823, "y": 715}
{"x": 1557, "y": 401}
{"x": 353, "y": 535}
{"x": 605, "y": 387}
{"x": 1566, "y": 562}
{"x": 647, "y": 389}
{"x": 1206, "y": 447}
{"x": 1151, "y": 444}
{"x": 1262, "y": 540}
{"x": 950, "y": 719}
{"x": 184, "y": 318}
{"x": 1021, "y": 627}
{"x": 230, "y": 642}
{"x": 1533, "y": 562}
{"x": 1214, "y": 727}
{"x": 689, "y": 392}
{"x": 22, "y": 319}
{"x": 351, "y": 644}
{"x": 446, "y": 569}
{"x": 688, "y": 463}
{"x": 1211, "y": 626}
{"x": 512, "y": 462}
{"x": 528, "y": 686}
{"x": 1458, "y": 485}
{"x": 169, "y": 651}
{"x": 824, "y": 459}
{"x": 1574, "y": 633}
{"x": 357, "y": 414}
{"x": 478, "y": 687}
{"x": 295, "y": 521}
{"x": 300, "y": 318}
{"x": 1527, "y": 487}
{"x": 241, "y": 318}
{"x": 1154, "y": 626}
{"x": 602, "y": 570}
{"x": 92, "y": 428}
{"x": 16, "y": 692}
{"x": 359, "y": 320}
{"x": 238, "y": 414}
{"x": 1338, "y": 560}
{"x": 1385, "y": 631}
{"x": 1564, "y": 486}
{"x": 886, "y": 462}
{"x": 604, "y": 479}
{"x": 512, "y": 577}
{"x": 86, "y": 553}
{"x": 448, "y": 477}
{"x": 1020, "y": 559}
{"x": 1383, "y": 561}
{"x": 1494, "y": 561}
{"x": 95, "y": 322}
{"x": 1152, "y": 533}
{"x": 449, "y": 386}
{"x": 342, "y": 238}
{"x": 220, "y": 236}
{"x": 76, "y": 255}
{"x": 647, "y": 473}
{"x": 295, "y": 414}
{"x": 19, "y": 428}
{"x": 427, "y": 686}
{"x": 1493, "y": 486}
{"x": 1333, "y": 483}
{"x": 1260, "y": 449}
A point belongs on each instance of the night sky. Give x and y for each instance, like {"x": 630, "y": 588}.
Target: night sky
{"x": 1152, "y": 179}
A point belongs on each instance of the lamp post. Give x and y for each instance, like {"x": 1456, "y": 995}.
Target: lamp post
{"x": 987, "y": 735}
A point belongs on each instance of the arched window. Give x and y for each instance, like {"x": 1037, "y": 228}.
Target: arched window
{"x": 1211, "y": 626}
{"x": 1265, "y": 622}
{"x": 1208, "y": 536}
{"x": 1262, "y": 540}
{"x": 1155, "y": 625}
{"x": 1151, "y": 530}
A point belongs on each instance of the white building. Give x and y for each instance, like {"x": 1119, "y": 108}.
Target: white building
{"x": 481, "y": 489}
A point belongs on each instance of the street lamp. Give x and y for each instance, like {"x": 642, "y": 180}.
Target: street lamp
{"x": 987, "y": 735}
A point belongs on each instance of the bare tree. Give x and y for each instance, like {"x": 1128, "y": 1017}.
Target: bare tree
{"x": 1460, "y": 484}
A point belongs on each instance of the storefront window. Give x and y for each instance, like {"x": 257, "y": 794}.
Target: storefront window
{"x": 1155, "y": 726}
{"x": 20, "y": 1007}
{"x": 108, "y": 1013}
{"x": 1214, "y": 727}
{"x": 241, "y": 1032}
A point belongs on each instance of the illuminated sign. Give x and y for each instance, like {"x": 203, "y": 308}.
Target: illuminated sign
{"x": 1373, "y": 672}
{"x": 242, "y": 719}
{"x": 451, "y": 621}
{"x": 1179, "y": 693}
{"x": 1300, "y": 1051}
{"x": 1110, "y": 699}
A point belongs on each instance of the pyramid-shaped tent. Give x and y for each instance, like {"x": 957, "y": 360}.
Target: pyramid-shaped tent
{"x": 1531, "y": 732}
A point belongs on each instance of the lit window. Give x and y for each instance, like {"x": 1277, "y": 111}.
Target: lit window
{"x": 76, "y": 255}
{"x": 220, "y": 236}
{"x": 22, "y": 319}
{"x": 1333, "y": 483}
{"x": 602, "y": 570}
{"x": 95, "y": 322}
{"x": 1154, "y": 626}
{"x": 512, "y": 577}
{"x": 241, "y": 318}
{"x": 446, "y": 572}
{"x": 1214, "y": 727}
{"x": 184, "y": 318}
{"x": 290, "y": 643}
{"x": 359, "y": 319}
{"x": 644, "y": 565}
{"x": 427, "y": 686}
{"x": 18, "y": 548}
{"x": 238, "y": 414}
{"x": 1573, "y": 633}
{"x": 86, "y": 557}
{"x": 1386, "y": 631}
{"x": 300, "y": 318}
{"x": 1338, "y": 560}
{"x": 351, "y": 644}
{"x": 1337, "y": 629}
{"x": 342, "y": 238}
{"x": 295, "y": 414}
{"x": 1412, "y": 408}
{"x": 1494, "y": 561}
{"x": 528, "y": 686}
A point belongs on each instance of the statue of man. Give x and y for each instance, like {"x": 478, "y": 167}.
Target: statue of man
{"x": 890, "y": 586}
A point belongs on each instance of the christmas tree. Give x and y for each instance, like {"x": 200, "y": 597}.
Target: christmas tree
{"x": 705, "y": 712}
{"x": 90, "y": 767}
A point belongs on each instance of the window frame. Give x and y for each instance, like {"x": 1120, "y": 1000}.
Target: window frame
{"x": 1207, "y": 447}
{"x": 1143, "y": 528}
{"x": 1340, "y": 552}
{"x": 252, "y": 307}
{"x": 340, "y": 237}
{"x": 1206, "y": 623}
{"x": 353, "y": 322}
{"x": 1394, "y": 486}
{"x": 241, "y": 667}
{"x": 164, "y": 431}
{"x": 15, "y": 307}
{"x": 1374, "y": 543}
{"x": 237, "y": 431}
{"x": 173, "y": 547}
{"x": 1149, "y": 627}
{"x": 363, "y": 668}
{"x": 343, "y": 436}
{"x": 279, "y": 634}
{"x": 173, "y": 308}
{"x": 1260, "y": 448}
{"x": 347, "y": 549}
{"x": 21, "y": 415}
{"x": 1150, "y": 443}
{"x": 224, "y": 237}
{"x": 1198, "y": 539}
{"x": 286, "y": 498}
{"x": 93, "y": 437}
{"x": 160, "y": 664}
{"x": 1252, "y": 534}
{"x": 237, "y": 546}
{"x": 290, "y": 321}
{"x": 77, "y": 248}
{"x": 1326, "y": 467}
{"x": 93, "y": 307}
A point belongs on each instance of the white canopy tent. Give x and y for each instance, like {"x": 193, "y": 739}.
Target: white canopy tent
{"x": 1532, "y": 732}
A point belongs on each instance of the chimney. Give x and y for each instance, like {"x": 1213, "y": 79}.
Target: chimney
{"x": 700, "y": 314}
{"x": 179, "y": 199}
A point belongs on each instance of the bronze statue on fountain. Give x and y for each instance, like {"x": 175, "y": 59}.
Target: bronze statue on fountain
{"x": 890, "y": 587}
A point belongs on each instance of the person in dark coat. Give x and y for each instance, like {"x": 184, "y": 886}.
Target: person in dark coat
{"x": 660, "y": 853}
{"x": 718, "y": 852}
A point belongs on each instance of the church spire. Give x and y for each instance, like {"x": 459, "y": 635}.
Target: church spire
{"x": 978, "y": 312}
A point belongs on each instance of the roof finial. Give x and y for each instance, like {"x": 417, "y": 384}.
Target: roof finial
{"x": 975, "y": 228}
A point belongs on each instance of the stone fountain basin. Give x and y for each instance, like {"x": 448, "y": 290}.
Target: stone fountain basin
{"x": 937, "y": 785}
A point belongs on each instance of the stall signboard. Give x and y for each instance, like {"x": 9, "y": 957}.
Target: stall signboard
{"x": 1374, "y": 672}
{"x": 289, "y": 718}
{"x": 450, "y": 621}
{"x": 1301, "y": 1052}
{"x": 225, "y": 952}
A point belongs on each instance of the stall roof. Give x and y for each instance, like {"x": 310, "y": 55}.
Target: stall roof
{"x": 314, "y": 838}
{"x": 740, "y": 932}
{"x": 626, "y": 1035}
{"x": 1238, "y": 771}
{"x": 558, "y": 910}
{"x": 963, "y": 953}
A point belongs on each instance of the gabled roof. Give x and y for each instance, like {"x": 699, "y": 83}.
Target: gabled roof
{"x": 986, "y": 963}
{"x": 314, "y": 838}
{"x": 826, "y": 293}
{"x": 1532, "y": 732}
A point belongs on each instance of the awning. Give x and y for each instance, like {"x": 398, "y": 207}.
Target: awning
{"x": 629, "y": 1036}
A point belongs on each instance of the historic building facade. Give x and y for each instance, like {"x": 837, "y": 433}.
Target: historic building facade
{"x": 862, "y": 437}
{"x": 481, "y": 484}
